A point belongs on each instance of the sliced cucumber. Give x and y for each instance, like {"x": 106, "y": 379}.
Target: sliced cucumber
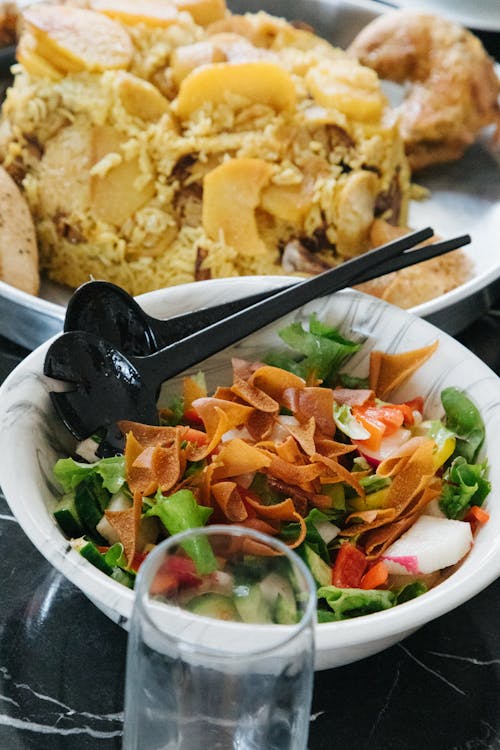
{"x": 91, "y": 500}
{"x": 89, "y": 551}
{"x": 279, "y": 594}
{"x": 67, "y": 516}
{"x": 214, "y": 605}
{"x": 251, "y": 605}
{"x": 321, "y": 572}
{"x": 125, "y": 577}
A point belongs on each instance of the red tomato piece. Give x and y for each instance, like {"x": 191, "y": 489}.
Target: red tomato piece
{"x": 137, "y": 560}
{"x": 196, "y": 436}
{"x": 174, "y": 573}
{"x": 416, "y": 404}
{"x": 349, "y": 567}
{"x": 375, "y": 428}
{"x": 391, "y": 415}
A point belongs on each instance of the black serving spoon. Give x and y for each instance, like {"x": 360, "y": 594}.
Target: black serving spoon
{"x": 109, "y": 385}
{"x": 109, "y": 312}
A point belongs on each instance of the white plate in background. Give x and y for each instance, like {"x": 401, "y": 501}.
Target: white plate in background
{"x": 482, "y": 15}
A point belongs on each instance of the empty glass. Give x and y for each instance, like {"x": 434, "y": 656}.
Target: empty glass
{"x": 221, "y": 645}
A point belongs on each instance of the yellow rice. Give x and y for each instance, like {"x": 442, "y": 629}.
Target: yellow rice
{"x": 355, "y": 166}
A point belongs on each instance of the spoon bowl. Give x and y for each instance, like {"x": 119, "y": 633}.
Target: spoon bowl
{"x": 103, "y": 386}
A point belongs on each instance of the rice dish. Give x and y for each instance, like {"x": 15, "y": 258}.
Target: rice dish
{"x": 195, "y": 144}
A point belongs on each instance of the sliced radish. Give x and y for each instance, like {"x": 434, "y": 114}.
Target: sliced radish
{"x": 433, "y": 509}
{"x": 388, "y": 445}
{"x": 327, "y": 530}
{"x": 430, "y": 544}
{"x": 87, "y": 450}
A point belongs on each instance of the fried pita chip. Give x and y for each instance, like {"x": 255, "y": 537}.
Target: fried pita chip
{"x": 394, "y": 463}
{"x": 260, "y": 425}
{"x": 389, "y": 371}
{"x": 254, "y": 396}
{"x": 312, "y": 401}
{"x": 147, "y": 434}
{"x": 229, "y": 501}
{"x": 237, "y": 457}
{"x": 302, "y": 532}
{"x": 337, "y": 470}
{"x": 140, "y": 474}
{"x": 191, "y": 390}
{"x": 126, "y": 524}
{"x": 301, "y": 476}
{"x": 304, "y": 435}
{"x": 414, "y": 476}
{"x": 274, "y": 381}
{"x": 353, "y": 396}
{"x": 283, "y": 511}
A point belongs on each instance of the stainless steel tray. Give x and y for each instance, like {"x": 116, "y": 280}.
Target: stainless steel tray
{"x": 465, "y": 198}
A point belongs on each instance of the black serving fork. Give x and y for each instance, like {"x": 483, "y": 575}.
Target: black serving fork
{"x": 107, "y": 385}
{"x": 108, "y": 311}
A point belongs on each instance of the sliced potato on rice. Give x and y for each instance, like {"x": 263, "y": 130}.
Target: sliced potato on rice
{"x": 237, "y": 184}
{"x": 73, "y": 39}
{"x": 116, "y": 191}
{"x": 203, "y": 12}
{"x": 148, "y": 12}
{"x": 259, "y": 82}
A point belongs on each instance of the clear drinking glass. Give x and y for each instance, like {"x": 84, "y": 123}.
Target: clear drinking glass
{"x": 221, "y": 645}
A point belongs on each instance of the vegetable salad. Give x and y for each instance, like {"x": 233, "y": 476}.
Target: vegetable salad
{"x": 381, "y": 502}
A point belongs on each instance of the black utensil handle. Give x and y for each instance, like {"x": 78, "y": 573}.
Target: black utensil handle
{"x": 181, "y": 326}
{"x": 170, "y": 330}
{"x": 179, "y": 356}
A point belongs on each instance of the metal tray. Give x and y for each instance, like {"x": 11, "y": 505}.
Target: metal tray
{"x": 465, "y": 198}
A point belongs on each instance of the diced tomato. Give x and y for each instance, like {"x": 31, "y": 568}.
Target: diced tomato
{"x": 349, "y": 567}
{"x": 375, "y": 576}
{"x": 416, "y": 404}
{"x": 137, "y": 560}
{"x": 175, "y": 572}
{"x": 375, "y": 428}
{"x": 476, "y": 517}
{"x": 381, "y": 421}
{"x": 191, "y": 416}
{"x": 391, "y": 415}
{"x": 196, "y": 436}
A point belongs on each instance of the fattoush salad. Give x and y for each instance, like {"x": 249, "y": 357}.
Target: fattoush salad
{"x": 380, "y": 501}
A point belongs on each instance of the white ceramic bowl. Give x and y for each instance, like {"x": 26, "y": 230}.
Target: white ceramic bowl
{"x": 32, "y": 438}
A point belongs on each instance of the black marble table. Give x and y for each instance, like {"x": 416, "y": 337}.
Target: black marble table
{"x": 62, "y": 661}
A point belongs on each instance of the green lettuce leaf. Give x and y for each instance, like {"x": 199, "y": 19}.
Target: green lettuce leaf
{"x": 322, "y": 349}
{"x": 347, "y": 603}
{"x": 410, "y": 591}
{"x": 313, "y": 538}
{"x": 464, "y": 485}
{"x": 463, "y": 418}
{"x": 180, "y": 512}
{"x": 69, "y": 473}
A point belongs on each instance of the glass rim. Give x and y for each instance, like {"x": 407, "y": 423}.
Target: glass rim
{"x": 290, "y": 632}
